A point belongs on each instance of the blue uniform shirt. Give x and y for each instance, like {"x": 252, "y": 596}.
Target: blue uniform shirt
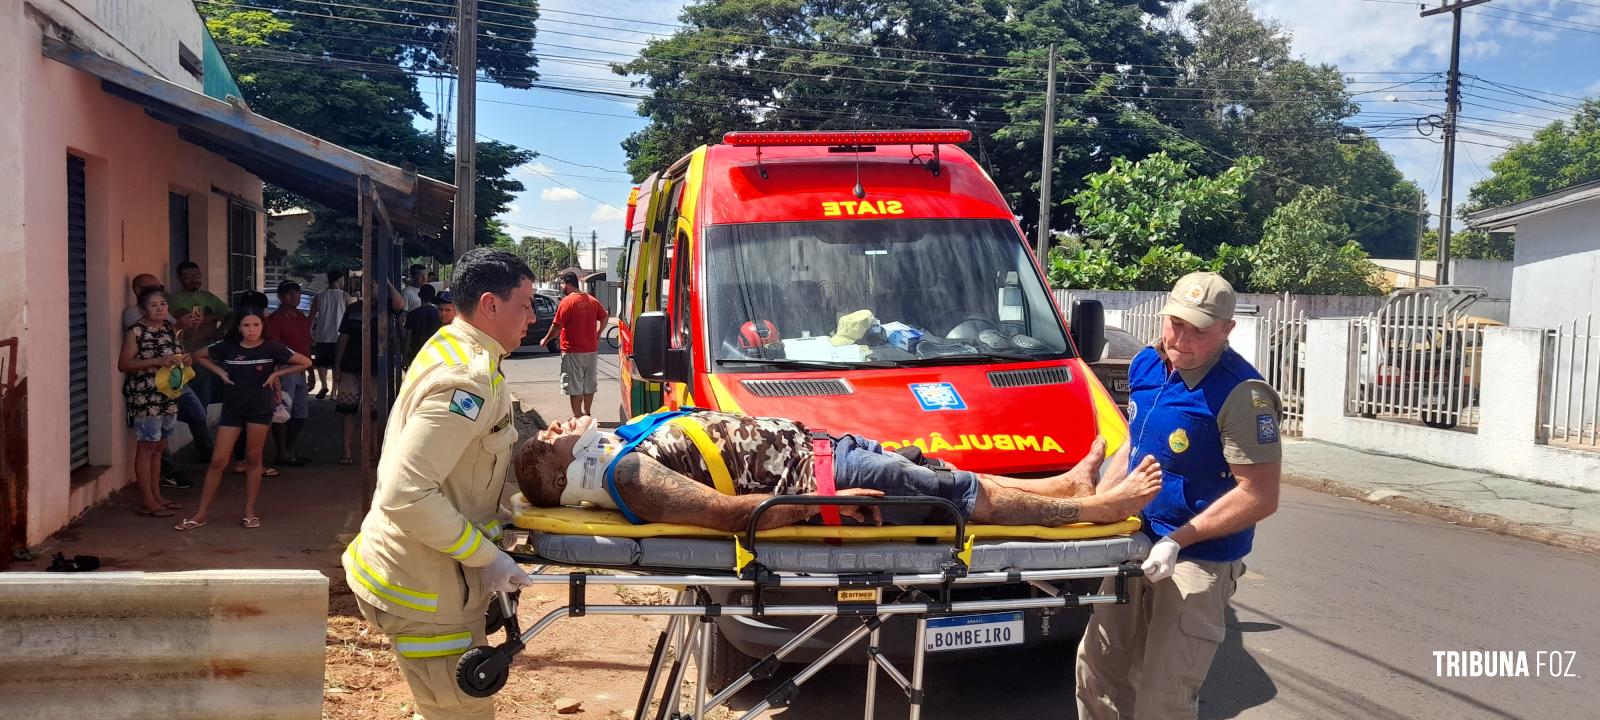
{"x": 1195, "y": 423}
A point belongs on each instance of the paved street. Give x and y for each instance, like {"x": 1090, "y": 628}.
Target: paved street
{"x": 1338, "y": 617}
{"x": 535, "y": 378}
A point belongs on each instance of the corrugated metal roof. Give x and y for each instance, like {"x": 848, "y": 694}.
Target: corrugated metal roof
{"x": 296, "y": 161}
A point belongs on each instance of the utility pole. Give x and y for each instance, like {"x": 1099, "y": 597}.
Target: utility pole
{"x": 1422, "y": 226}
{"x": 572, "y": 247}
{"x": 1452, "y": 109}
{"x": 466, "y": 123}
{"x": 594, "y": 257}
{"x": 1047, "y": 165}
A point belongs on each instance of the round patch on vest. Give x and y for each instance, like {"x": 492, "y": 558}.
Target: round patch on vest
{"x": 1178, "y": 440}
{"x": 1133, "y": 410}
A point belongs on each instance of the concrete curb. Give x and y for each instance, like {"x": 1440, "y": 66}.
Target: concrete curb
{"x": 1448, "y": 513}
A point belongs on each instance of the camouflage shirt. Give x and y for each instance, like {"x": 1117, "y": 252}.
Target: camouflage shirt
{"x": 764, "y": 455}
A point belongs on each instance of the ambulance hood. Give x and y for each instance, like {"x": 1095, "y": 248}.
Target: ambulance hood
{"x": 1006, "y": 418}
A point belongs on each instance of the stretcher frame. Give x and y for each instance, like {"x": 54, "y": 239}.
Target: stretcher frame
{"x": 482, "y": 671}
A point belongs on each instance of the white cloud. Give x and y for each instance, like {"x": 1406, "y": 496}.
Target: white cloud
{"x": 558, "y": 194}
{"x": 534, "y": 168}
{"x": 605, "y": 213}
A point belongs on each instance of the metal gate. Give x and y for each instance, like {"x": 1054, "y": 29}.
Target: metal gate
{"x": 1418, "y": 359}
{"x": 77, "y": 314}
{"x": 1281, "y": 360}
{"x": 1143, "y": 321}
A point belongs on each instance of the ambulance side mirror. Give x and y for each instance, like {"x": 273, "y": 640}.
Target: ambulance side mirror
{"x": 1088, "y": 328}
{"x": 654, "y": 358}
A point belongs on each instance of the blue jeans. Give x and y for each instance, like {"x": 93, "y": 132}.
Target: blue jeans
{"x": 192, "y": 412}
{"x": 862, "y": 463}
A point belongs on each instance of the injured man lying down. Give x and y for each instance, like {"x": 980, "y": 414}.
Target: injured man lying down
{"x": 666, "y": 478}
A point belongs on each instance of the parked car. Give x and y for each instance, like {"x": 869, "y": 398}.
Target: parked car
{"x": 544, "y": 307}
{"x": 1422, "y": 348}
{"x": 1112, "y": 367}
{"x": 272, "y": 301}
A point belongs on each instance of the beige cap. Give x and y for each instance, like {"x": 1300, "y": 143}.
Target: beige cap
{"x": 852, "y": 328}
{"x": 1200, "y": 299}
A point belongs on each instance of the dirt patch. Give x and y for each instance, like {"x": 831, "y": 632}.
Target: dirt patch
{"x": 600, "y": 660}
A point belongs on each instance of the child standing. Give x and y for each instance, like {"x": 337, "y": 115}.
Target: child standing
{"x": 249, "y": 367}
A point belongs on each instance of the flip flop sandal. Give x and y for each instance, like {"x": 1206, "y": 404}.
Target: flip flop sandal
{"x": 346, "y": 461}
{"x": 174, "y": 506}
{"x": 163, "y": 512}
{"x": 237, "y": 470}
{"x": 78, "y": 563}
{"x": 269, "y": 472}
{"x": 188, "y": 525}
{"x": 252, "y": 522}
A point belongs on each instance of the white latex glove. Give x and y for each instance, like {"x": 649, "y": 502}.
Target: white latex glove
{"x": 503, "y": 575}
{"x": 1163, "y": 558}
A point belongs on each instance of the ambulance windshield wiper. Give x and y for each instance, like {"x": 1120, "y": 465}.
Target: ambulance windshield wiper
{"x": 808, "y": 364}
{"x": 967, "y": 359}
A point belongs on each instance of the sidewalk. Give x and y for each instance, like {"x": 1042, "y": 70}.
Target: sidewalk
{"x": 307, "y": 514}
{"x": 1553, "y": 515}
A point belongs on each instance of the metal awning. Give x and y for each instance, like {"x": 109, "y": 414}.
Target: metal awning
{"x": 288, "y": 158}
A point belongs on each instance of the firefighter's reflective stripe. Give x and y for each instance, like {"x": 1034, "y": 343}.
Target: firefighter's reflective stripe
{"x": 708, "y": 450}
{"x": 427, "y": 646}
{"x": 465, "y": 545}
{"x": 449, "y": 350}
{"x": 491, "y": 529}
{"x": 402, "y": 596}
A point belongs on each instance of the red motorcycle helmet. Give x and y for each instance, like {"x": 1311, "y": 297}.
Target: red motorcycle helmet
{"x": 758, "y": 334}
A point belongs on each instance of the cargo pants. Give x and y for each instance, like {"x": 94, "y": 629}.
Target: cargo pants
{"x": 1147, "y": 660}
{"x": 427, "y": 656}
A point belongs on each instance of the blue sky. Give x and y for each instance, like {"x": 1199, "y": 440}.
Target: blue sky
{"x": 1386, "y": 50}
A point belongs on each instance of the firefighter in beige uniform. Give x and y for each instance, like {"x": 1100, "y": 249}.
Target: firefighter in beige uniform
{"x": 424, "y": 565}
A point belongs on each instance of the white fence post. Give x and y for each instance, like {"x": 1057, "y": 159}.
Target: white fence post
{"x": 1327, "y": 359}
{"x": 1512, "y": 360}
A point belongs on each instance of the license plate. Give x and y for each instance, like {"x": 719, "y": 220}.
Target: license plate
{"x": 1119, "y": 385}
{"x": 964, "y": 632}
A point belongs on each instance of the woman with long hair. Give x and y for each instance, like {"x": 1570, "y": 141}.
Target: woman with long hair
{"x": 249, "y": 367}
{"x": 150, "y": 346}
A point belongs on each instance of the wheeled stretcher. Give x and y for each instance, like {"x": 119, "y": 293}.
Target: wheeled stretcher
{"x": 875, "y": 573}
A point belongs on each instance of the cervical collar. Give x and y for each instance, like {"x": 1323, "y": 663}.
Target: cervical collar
{"x": 586, "y": 475}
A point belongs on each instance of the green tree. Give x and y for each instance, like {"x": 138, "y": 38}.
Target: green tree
{"x": 1471, "y": 245}
{"x": 1307, "y": 248}
{"x": 1247, "y": 95}
{"x": 350, "y": 77}
{"x": 1562, "y": 154}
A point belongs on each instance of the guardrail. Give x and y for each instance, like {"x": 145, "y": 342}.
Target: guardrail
{"x": 1571, "y": 385}
{"x": 204, "y": 645}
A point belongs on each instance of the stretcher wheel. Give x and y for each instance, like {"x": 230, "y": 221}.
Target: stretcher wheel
{"x": 477, "y": 680}
{"x": 494, "y": 618}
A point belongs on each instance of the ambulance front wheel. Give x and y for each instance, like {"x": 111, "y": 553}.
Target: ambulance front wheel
{"x": 482, "y": 671}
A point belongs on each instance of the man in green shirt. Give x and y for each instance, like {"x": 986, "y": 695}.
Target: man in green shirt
{"x": 199, "y": 316}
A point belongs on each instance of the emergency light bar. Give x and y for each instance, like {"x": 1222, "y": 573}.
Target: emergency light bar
{"x": 847, "y": 137}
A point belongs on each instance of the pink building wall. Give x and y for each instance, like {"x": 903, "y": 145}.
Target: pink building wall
{"x": 133, "y": 162}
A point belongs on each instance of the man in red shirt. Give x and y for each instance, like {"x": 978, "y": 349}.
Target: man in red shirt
{"x": 580, "y": 317}
{"x": 291, "y": 327}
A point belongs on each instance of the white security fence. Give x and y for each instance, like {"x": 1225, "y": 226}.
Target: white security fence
{"x": 1570, "y": 385}
{"x": 1509, "y": 412}
{"x": 1280, "y": 358}
{"x": 206, "y": 645}
{"x": 1417, "y": 360}
{"x": 1143, "y": 321}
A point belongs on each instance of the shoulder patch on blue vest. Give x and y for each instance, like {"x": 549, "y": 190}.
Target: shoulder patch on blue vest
{"x": 466, "y": 404}
{"x": 1266, "y": 429}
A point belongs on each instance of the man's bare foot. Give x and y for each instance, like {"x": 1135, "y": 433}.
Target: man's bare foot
{"x": 1075, "y": 483}
{"x": 1128, "y": 497}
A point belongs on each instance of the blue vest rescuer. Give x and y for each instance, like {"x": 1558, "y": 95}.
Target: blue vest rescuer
{"x": 1180, "y": 424}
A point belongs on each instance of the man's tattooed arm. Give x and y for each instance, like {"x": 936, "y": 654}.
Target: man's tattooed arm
{"x": 658, "y": 494}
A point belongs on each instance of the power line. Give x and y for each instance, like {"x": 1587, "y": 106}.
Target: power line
{"x": 1509, "y": 18}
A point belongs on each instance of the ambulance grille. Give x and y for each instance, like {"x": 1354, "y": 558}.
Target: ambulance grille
{"x": 798, "y": 388}
{"x": 1028, "y": 378}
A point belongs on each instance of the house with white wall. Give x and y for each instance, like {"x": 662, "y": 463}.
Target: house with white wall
{"x": 1556, "y": 266}
{"x": 125, "y": 149}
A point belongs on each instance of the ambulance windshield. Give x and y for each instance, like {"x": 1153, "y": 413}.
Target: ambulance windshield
{"x": 876, "y": 292}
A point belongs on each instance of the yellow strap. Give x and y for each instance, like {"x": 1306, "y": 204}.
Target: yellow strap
{"x": 741, "y": 556}
{"x": 709, "y": 451}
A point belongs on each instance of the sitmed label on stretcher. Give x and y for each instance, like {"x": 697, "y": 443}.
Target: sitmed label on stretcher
{"x": 964, "y": 632}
